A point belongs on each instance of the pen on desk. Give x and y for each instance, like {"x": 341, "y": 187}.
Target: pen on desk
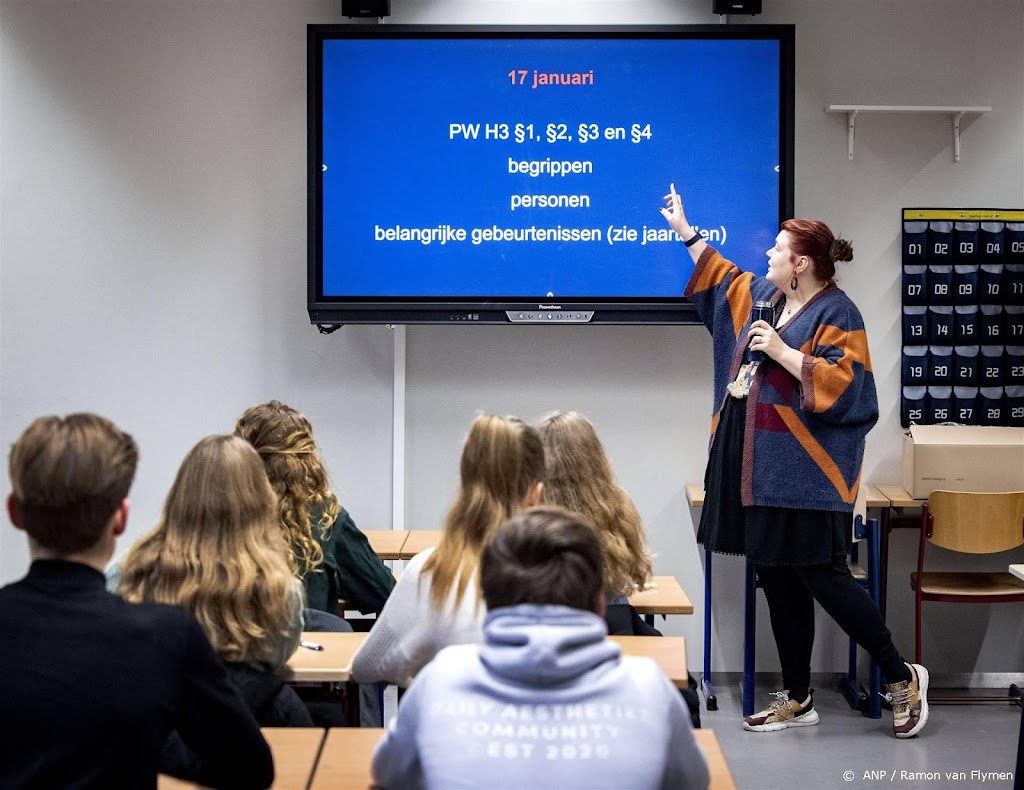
{"x": 310, "y": 645}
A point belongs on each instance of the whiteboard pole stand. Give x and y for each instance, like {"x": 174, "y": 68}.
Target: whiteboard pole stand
{"x": 398, "y": 429}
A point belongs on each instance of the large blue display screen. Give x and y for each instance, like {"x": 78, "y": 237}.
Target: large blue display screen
{"x": 532, "y": 166}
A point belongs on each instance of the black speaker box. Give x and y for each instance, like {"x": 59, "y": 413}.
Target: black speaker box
{"x": 366, "y": 8}
{"x": 736, "y": 6}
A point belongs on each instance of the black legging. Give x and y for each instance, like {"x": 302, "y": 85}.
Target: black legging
{"x": 791, "y": 591}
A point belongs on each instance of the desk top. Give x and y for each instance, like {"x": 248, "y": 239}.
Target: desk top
{"x": 668, "y": 652}
{"x": 295, "y": 751}
{"x": 346, "y": 757}
{"x": 874, "y": 495}
{"x": 333, "y": 664}
{"x": 898, "y": 496}
{"x": 721, "y": 776}
{"x": 420, "y": 539}
{"x": 387, "y": 543}
{"x": 666, "y": 597}
{"x": 348, "y": 753}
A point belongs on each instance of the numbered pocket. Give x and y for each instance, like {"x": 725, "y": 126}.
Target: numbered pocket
{"x": 940, "y": 404}
{"x": 913, "y": 403}
{"x": 915, "y": 325}
{"x": 993, "y": 366}
{"x": 915, "y": 239}
{"x": 965, "y": 405}
{"x": 915, "y": 366}
{"x": 940, "y": 367}
{"x": 991, "y": 405}
{"x": 966, "y": 363}
{"x": 965, "y": 326}
{"x": 940, "y": 243}
{"x": 991, "y": 325}
{"x": 915, "y": 285}
{"x": 940, "y": 285}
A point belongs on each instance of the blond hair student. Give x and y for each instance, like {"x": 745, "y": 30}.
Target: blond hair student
{"x": 437, "y": 602}
{"x": 217, "y": 550}
{"x": 580, "y": 478}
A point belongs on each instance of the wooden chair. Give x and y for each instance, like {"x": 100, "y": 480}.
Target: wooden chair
{"x": 968, "y": 523}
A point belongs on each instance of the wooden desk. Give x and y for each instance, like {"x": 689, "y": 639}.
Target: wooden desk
{"x": 721, "y": 776}
{"x": 420, "y": 539}
{"x": 668, "y": 652}
{"x": 346, "y": 757}
{"x": 899, "y": 498}
{"x": 348, "y": 752}
{"x": 695, "y": 494}
{"x": 666, "y": 597}
{"x": 333, "y": 664}
{"x": 387, "y": 543}
{"x": 874, "y": 496}
{"x": 295, "y": 751}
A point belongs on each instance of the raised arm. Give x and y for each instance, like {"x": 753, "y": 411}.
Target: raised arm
{"x": 676, "y": 218}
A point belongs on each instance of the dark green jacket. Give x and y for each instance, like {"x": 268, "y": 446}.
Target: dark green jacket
{"x": 350, "y": 571}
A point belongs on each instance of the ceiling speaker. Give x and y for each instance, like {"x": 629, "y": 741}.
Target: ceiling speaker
{"x": 366, "y": 8}
{"x": 736, "y": 6}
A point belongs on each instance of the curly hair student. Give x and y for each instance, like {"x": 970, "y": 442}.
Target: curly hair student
{"x": 332, "y": 557}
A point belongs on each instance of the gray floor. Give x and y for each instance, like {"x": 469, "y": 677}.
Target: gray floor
{"x": 958, "y": 738}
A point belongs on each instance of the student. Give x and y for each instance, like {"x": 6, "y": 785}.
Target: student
{"x": 92, "y": 685}
{"x": 547, "y": 700}
{"x": 437, "y": 602}
{"x": 217, "y": 550}
{"x": 333, "y": 558}
{"x": 579, "y": 478}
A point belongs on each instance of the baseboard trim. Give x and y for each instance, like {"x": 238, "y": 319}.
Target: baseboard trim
{"x": 830, "y": 680}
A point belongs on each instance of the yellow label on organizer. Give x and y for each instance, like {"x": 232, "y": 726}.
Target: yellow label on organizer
{"x": 965, "y": 214}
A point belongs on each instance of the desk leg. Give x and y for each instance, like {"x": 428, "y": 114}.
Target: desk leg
{"x": 352, "y": 703}
{"x": 874, "y": 574}
{"x": 883, "y": 565}
{"x": 749, "y": 639}
{"x": 705, "y": 681}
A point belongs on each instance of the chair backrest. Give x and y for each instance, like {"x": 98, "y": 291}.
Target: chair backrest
{"x": 976, "y": 523}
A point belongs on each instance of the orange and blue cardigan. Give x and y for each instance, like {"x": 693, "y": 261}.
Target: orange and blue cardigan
{"x": 803, "y": 443}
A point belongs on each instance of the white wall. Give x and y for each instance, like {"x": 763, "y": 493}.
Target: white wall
{"x": 152, "y": 258}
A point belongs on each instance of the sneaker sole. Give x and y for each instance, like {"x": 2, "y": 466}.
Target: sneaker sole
{"x": 922, "y": 689}
{"x": 807, "y": 720}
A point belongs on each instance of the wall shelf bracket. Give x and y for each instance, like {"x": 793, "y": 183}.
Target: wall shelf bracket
{"x": 852, "y": 110}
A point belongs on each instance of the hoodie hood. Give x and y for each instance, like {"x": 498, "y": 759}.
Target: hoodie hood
{"x": 545, "y": 644}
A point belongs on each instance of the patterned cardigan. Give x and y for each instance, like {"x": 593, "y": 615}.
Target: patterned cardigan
{"x": 803, "y": 443}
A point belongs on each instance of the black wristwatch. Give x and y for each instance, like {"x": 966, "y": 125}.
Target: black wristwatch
{"x": 692, "y": 240}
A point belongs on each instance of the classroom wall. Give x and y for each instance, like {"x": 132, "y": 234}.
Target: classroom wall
{"x": 152, "y": 260}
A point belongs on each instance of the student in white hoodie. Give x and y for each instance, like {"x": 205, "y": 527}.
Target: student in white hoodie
{"x": 547, "y": 701}
{"x": 437, "y": 601}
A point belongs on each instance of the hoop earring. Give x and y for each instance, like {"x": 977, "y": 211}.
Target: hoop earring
{"x": 793, "y": 283}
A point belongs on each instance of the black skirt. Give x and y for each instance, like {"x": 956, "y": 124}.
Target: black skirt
{"x": 765, "y": 535}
